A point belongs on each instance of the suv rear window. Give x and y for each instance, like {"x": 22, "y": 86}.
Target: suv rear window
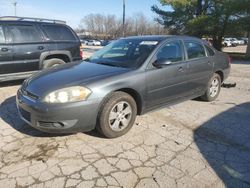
{"x": 195, "y": 50}
{"x": 2, "y": 38}
{"x": 58, "y": 32}
{"x": 24, "y": 34}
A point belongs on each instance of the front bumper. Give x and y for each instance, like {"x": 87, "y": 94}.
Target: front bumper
{"x": 58, "y": 118}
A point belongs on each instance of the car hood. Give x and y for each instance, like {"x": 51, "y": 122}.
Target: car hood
{"x": 72, "y": 74}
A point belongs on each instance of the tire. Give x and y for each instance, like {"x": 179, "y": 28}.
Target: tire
{"x": 213, "y": 89}
{"x": 110, "y": 122}
{"x": 52, "y": 62}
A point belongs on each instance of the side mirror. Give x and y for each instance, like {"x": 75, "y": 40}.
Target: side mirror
{"x": 159, "y": 63}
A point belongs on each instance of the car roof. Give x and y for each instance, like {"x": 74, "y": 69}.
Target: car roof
{"x": 28, "y": 22}
{"x": 17, "y": 19}
{"x": 165, "y": 37}
{"x": 162, "y": 37}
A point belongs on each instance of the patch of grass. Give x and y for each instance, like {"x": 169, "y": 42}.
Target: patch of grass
{"x": 239, "y": 56}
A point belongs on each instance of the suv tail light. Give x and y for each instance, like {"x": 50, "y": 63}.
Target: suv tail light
{"x": 229, "y": 60}
{"x": 81, "y": 53}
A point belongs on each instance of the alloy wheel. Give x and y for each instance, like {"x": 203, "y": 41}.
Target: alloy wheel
{"x": 214, "y": 87}
{"x": 120, "y": 116}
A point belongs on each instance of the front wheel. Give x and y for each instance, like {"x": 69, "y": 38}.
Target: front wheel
{"x": 213, "y": 89}
{"x": 52, "y": 63}
{"x": 117, "y": 115}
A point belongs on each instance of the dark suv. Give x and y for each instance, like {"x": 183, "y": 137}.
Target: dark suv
{"x": 28, "y": 45}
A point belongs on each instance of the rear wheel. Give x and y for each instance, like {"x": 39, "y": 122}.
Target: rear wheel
{"x": 117, "y": 115}
{"x": 52, "y": 63}
{"x": 213, "y": 89}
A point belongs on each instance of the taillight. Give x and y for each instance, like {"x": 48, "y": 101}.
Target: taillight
{"x": 229, "y": 60}
{"x": 81, "y": 53}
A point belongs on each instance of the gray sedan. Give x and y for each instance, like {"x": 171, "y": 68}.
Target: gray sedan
{"x": 129, "y": 77}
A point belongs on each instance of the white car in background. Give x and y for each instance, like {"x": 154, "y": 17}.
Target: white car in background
{"x": 84, "y": 42}
{"x": 94, "y": 43}
{"x": 245, "y": 40}
{"x": 228, "y": 42}
{"x": 241, "y": 41}
{"x": 237, "y": 41}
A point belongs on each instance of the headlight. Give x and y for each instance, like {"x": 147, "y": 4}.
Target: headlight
{"x": 70, "y": 94}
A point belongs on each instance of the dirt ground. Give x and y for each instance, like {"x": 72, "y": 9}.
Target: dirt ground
{"x": 192, "y": 144}
{"x": 237, "y": 49}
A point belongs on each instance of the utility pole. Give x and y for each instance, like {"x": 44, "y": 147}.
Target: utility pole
{"x": 123, "y": 19}
{"x": 15, "y": 4}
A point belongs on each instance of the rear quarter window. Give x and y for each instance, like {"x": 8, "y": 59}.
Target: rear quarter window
{"x": 59, "y": 33}
{"x": 195, "y": 50}
{"x": 210, "y": 51}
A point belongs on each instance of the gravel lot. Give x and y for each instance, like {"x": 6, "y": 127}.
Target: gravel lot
{"x": 193, "y": 144}
{"x": 237, "y": 49}
{"x": 89, "y": 50}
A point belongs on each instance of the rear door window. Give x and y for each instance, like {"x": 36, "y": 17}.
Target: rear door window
{"x": 195, "y": 50}
{"x": 59, "y": 33}
{"x": 24, "y": 34}
{"x": 2, "y": 37}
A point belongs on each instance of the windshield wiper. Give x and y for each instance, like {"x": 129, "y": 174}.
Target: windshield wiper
{"x": 109, "y": 64}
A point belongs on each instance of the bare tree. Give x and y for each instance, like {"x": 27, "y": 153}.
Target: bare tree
{"x": 89, "y": 23}
{"x": 109, "y": 26}
{"x": 141, "y": 24}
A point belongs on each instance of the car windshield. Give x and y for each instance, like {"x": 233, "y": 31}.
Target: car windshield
{"x": 127, "y": 53}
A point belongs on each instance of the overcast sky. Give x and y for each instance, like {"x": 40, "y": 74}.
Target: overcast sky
{"x": 73, "y": 10}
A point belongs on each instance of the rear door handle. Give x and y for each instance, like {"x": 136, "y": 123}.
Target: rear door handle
{"x": 4, "y": 49}
{"x": 180, "y": 69}
{"x": 40, "y": 47}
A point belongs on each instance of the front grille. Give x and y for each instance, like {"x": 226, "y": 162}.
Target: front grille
{"x": 25, "y": 114}
{"x": 29, "y": 94}
{"x": 51, "y": 124}
{"x": 45, "y": 124}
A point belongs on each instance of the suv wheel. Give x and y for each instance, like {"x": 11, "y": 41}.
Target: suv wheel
{"x": 213, "y": 89}
{"x": 117, "y": 115}
{"x": 52, "y": 63}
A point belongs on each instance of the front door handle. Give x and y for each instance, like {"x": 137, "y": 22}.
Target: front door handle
{"x": 40, "y": 47}
{"x": 180, "y": 69}
{"x": 4, "y": 49}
